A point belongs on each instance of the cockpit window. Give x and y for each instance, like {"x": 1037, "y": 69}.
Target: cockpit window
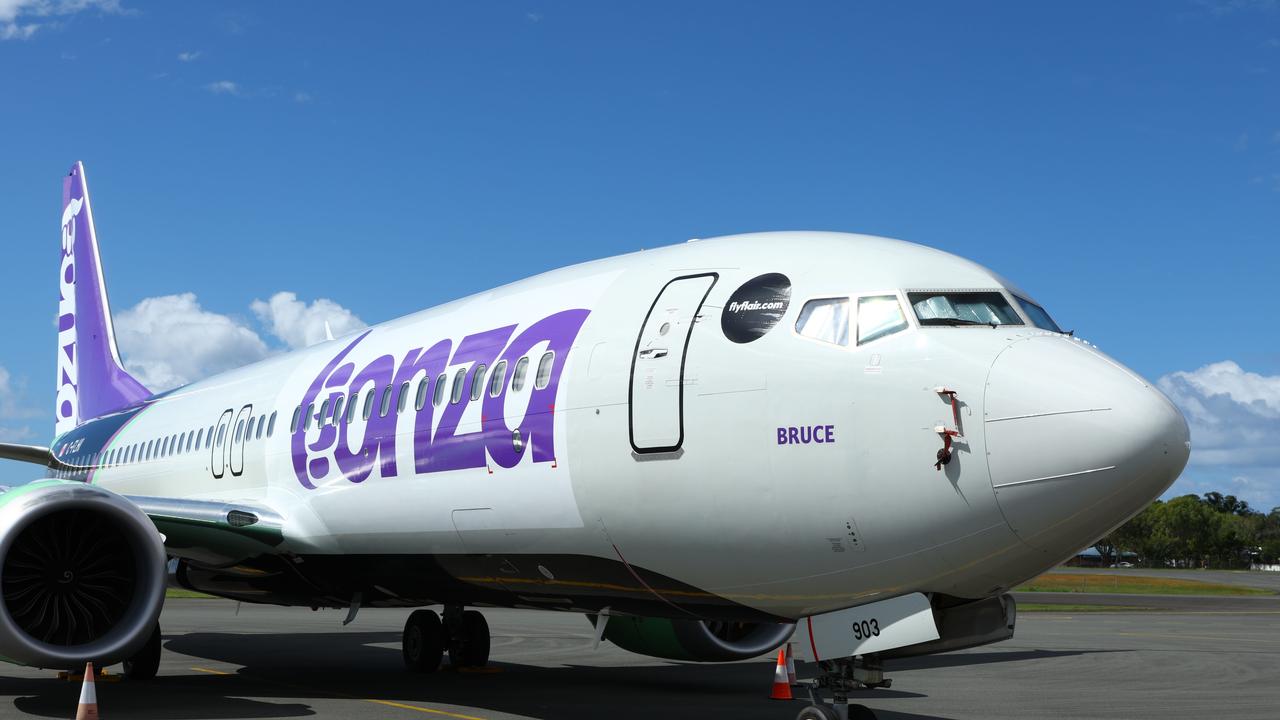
{"x": 963, "y": 307}
{"x": 1038, "y": 316}
{"x": 826, "y": 320}
{"x": 879, "y": 316}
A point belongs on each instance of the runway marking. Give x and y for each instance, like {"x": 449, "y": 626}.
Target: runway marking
{"x": 403, "y": 706}
{"x": 344, "y": 696}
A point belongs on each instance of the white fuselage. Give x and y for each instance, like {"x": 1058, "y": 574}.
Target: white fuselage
{"x": 787, "y": 474}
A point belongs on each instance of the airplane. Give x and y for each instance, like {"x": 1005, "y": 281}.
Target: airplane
{"x": 707, "y": 449}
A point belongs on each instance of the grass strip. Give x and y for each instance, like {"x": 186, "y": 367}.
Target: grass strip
{"x": 179, "y": 593}
{"x": 1052, "y": 608}
{"x": 1131, "y": 584}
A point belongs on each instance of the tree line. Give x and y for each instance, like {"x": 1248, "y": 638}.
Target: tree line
{"x": 1216, "y": 530}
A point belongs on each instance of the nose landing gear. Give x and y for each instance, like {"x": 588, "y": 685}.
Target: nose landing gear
{"x": 841, "y": 677}
{"x": 464, "y": 633}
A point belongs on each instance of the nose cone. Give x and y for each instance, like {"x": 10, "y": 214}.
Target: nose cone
{"x": 1076, "y": 442}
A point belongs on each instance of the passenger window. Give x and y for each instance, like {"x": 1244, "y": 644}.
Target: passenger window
{"x": 208, "y": 438}
{"x": 150, "y": 446}
{"x": 499, "y": 377}
{"x": 403, "y": 400}
{"x": 543, "y": 378}
{"x": 199, "y": 437}
{"x": 293, "y": 424}
{"x": 420, "y": 400}
{"x": 222, "y": 434}
{"x": 323, "y": 418}
{"x": 385, "y": 407}
{"x": 879, "y": 316}
{"x": 826, "y": 320}
{"x": 164, "y": 447}
{"x": 477, "y": 382}
{"x": 458, "y": 379}
{"x": 271, "y": 426}
{"x": 368, "y": 403}
{"x": 239, "y": 428}
{"x": 306, "y": 421}
{"x": 337, "y": 412}
{"x": 352, "y": 405}
{"x": 438, "y": 398}
{"x": 517, "y": 375}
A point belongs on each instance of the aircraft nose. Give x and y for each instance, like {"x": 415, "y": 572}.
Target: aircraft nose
{"x": 1076, "y": 442}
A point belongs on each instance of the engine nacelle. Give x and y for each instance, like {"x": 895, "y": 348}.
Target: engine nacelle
{"x": 82, "y": 575}
{"x": 696, "y": 640}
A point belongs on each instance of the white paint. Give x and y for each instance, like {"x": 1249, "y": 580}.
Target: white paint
{"x": 883, "y": 625}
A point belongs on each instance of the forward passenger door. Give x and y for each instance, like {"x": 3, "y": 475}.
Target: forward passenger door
{"x": 656, "y": 396}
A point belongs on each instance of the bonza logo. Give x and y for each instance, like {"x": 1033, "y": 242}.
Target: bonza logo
{"x": 68, "y": 406}
{"x": 325, "y": 447}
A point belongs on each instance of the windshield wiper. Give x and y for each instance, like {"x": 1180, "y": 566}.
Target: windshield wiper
{"x": 954, "y": 322}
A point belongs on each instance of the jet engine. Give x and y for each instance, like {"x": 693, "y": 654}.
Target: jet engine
{"x": 696, "y": 640}
{"x": 82, "y": 575}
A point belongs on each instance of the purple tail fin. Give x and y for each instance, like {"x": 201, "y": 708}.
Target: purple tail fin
{"x": 91, "y": 379}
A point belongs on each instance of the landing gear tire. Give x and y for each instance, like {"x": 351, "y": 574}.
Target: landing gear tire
{"x": 146, "y": 663}
{"x": 826, "y": 712}
{"x": 422, "y": 642}
{"x": 470, "y": 644}
{"x": 818, "y": 712}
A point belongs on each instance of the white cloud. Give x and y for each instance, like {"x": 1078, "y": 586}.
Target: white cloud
{"x": 13, "y": 408}
{"x": 13, "y": 11}
{"x": 302, "y": 97}
{"x": 298, "y": 324}
{"x": 223, "y": 87}
{"x": 170, "y": 340}
{"x": 1235, "y": 422}
{"x": 14, "y": 31}
{"x": 190, "y": 56}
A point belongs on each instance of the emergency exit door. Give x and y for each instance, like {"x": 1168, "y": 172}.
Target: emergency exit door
{"x": 657, "y": 366}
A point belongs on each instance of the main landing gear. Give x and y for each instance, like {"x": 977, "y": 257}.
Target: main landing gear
{"x": 841, "y": 677}
{"x": 464, "y": 633}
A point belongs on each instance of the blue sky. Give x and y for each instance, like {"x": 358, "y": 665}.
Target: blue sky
{"x": 1119, "y": 160}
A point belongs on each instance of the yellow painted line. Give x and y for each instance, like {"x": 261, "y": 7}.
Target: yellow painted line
{"x": 403, "y": 706}
{"x": 344, "y": 696}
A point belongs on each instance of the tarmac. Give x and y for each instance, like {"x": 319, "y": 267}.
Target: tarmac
{"x": 1195, "y": 657}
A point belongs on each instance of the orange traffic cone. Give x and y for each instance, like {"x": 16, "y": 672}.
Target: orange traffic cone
{"x": 88, "y": 708}
{"x": 781, "y": 685}
{"x": 791, "y": 666}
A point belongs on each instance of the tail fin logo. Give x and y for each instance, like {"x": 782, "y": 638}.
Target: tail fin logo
{"x": 68, "y": 406}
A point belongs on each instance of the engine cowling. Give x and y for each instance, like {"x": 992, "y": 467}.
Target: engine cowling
{"x": 82, "y": 575}
{"x": 696, "y": 640}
